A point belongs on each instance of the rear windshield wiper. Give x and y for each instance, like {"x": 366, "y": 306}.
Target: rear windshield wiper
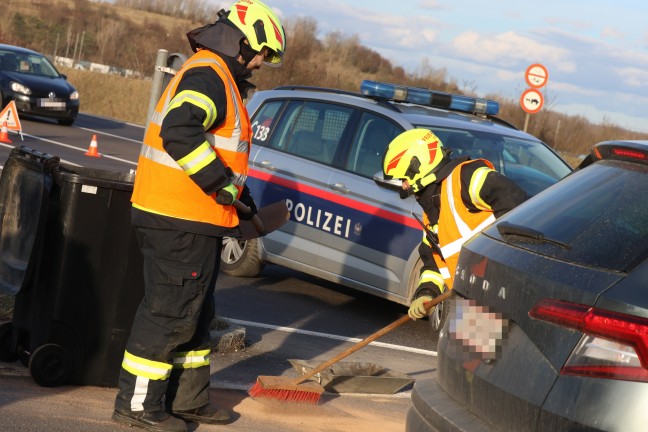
{"x": 507, "y": 228}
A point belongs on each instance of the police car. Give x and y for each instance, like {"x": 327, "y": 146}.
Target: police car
{"x": 321, "y": 150}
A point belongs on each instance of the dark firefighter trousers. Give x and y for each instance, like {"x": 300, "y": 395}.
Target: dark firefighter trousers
{"x": 167, "y": 354}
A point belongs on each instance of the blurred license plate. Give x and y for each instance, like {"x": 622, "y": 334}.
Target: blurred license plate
{"x": 49, "y": 103}
{"x": 479, "y": 330}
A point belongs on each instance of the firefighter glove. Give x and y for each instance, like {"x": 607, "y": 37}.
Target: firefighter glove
{"x": 246, "y": 198}
{"x": 417, "y": 309}
{"x": 227, "y": 195}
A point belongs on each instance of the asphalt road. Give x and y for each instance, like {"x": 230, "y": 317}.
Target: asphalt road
{"x": 280, "y": 297}
{"x": 285, "y": 315}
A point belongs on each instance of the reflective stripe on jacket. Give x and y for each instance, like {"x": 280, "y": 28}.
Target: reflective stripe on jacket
{"x": 162, "y": 185}
{"x": 456, "y": 223}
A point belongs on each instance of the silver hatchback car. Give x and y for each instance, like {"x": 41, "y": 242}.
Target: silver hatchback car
{"x": 321, "y": 150}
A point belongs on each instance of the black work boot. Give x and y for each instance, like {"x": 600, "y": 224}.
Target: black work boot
{"x": 207, "y": 414}
{"x": 157, "y": 421}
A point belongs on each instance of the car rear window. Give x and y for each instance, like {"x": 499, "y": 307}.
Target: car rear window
{"x": 598, "y": 214}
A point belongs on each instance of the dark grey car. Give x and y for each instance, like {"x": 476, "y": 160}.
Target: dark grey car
{"x": 548, "y": 326}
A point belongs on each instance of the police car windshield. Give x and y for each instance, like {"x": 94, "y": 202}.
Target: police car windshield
{"x": 529, "y": 163}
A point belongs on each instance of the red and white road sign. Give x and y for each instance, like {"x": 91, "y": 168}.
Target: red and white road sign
{"x": 531, "y": 101}
{"x": 536, "y": 75}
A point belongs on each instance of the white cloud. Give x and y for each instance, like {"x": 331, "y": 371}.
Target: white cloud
{"x": 429, "y": 4}
{"x": 595, "y": 115}
{"x": 633, "y": 77}
{"x": 509, "y": 49}
{"x": 611, "y": 33}
{"x": 576, "y": 90}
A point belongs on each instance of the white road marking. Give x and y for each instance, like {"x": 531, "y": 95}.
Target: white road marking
{"x": 77, "y": 149}
{"x": 109, "y": 134}
{"x": 330, "y": 336}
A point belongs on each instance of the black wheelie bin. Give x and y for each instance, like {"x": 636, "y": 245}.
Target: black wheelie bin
{"x": 73, "y": 313}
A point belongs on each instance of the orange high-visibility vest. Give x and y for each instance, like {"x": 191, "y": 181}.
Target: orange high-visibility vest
{"x": 163, "y": 187}
{"x": 456, "y": 224}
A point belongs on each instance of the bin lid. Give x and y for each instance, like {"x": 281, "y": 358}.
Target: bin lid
{"x": 94, "y": 177}
{"x": 24, "y": 195}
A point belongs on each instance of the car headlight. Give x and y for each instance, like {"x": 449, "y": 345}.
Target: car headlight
{"x": 74, "y": 95}
{"x": 19, "y": 88}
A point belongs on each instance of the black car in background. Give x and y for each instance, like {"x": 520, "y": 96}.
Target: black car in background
{"x": 548, "y": 325}
{"x": 38, "y": 88}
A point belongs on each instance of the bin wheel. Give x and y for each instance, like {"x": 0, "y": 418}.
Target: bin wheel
{"x": 8, "y": 353}
{"x": 50, "y": 365}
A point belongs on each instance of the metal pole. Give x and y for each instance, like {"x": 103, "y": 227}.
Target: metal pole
{"x": 56, "y": 47}
{"x": 156, "y": 86}
{"x": 526, "y": 122}
{"x": 81, "y": 46}
{"x": 76, "y": 45}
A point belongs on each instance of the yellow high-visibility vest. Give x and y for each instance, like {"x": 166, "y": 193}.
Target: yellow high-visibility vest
{"x": 456, "y": 224}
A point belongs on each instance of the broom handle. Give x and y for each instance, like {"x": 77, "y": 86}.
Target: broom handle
{"x": 256, "y": 220}
{"x": 383, "y": 331}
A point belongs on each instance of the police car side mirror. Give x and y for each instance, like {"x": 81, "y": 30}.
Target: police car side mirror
{"x": 392, "y": 184}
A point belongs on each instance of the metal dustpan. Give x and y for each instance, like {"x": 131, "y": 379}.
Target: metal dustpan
{"x": 268, "y": 219}
{"x": 355, "y": 377}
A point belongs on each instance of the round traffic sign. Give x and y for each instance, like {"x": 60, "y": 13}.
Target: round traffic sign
{"x": 536, "y": 75}
{"x": 531, "y": 101}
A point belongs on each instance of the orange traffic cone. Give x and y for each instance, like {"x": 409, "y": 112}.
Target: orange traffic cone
{"x": 93, "y": 150}
{"x": 4, "y": 133}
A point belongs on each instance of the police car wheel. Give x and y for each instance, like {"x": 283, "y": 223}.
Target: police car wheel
{"x": 240, "y": 257}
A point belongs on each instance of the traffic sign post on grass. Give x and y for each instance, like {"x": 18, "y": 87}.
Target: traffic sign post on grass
{"x": 532, "y": 100}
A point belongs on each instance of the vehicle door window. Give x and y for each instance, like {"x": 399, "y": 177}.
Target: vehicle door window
{"x": 9, "y": 62}
{"x": 369, "y": 144}
{"x": 312, "y": 130}
{"x": 262, "y": 124}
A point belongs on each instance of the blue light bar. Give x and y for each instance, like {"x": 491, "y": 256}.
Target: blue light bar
{"x": 430, "y": 98}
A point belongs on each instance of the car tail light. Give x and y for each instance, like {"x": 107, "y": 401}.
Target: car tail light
{"x": 614, "y": 345}
{"x": 629, "y": 153}
{"x": 611, "y": 151}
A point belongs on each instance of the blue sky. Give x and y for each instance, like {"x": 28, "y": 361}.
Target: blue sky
{"x": 596, "y": 52}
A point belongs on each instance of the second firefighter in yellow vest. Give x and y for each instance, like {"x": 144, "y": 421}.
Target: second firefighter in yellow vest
{"x": 459, "y": 197}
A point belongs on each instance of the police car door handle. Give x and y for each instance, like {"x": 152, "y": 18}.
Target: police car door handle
{"x": 268, "y": 165}
{"x": 340, "y": 187}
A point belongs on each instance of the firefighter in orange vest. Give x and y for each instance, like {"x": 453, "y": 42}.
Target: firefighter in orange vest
{"x": 459, "y": 197}
{"x": 192, "y": 167}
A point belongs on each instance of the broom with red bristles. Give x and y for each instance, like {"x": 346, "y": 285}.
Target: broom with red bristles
{"x": 296, "y": 390}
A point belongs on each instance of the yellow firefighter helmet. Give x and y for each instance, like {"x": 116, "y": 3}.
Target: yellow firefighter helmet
{"x": 261, "y": 27}
{"x": 414, "y": 155}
